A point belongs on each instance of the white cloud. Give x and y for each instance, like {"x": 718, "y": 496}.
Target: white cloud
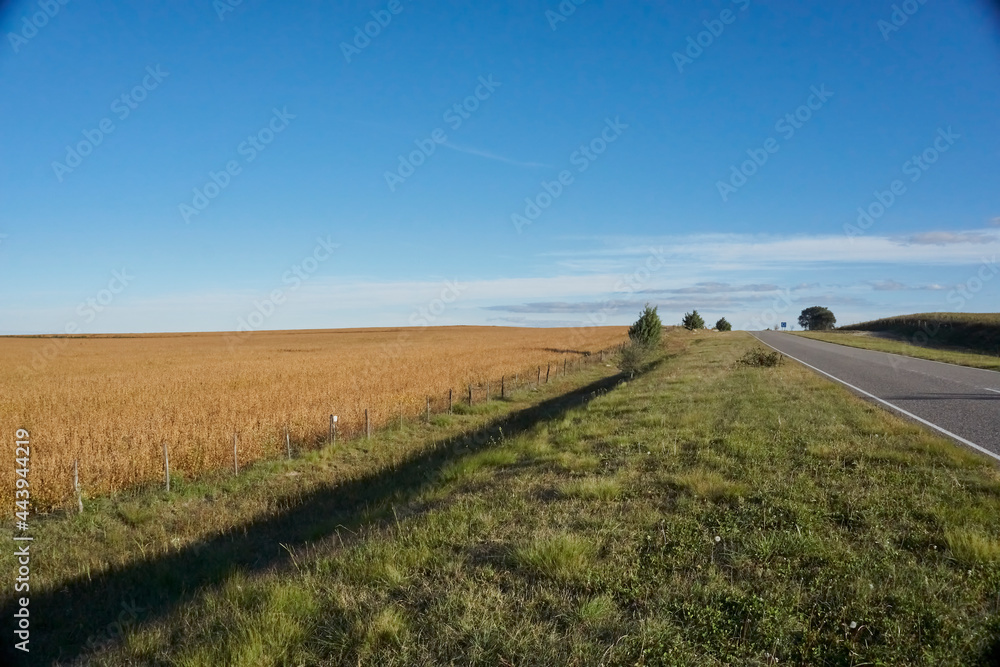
{"x": 949, "y": 238}
{"x": 888, "y": 286}
{"x": 731, "y": 274}
{"x": 895, "y": 286}
{"x": 710, "y": 253}
{"x": 716, "y": 288}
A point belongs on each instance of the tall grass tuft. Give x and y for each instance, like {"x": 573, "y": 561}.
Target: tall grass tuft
{"x": 972, "y": 547}
{"x": 562, "y": 557}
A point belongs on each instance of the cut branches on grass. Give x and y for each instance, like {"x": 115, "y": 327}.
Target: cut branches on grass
{"x": 758, "y": 357}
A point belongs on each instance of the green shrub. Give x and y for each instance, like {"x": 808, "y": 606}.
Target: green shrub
{"x": 693, "y": 321}
{"x": 632, "y": 358}
{"x": 723, "y": 325}
{"x": 647, "y": 329}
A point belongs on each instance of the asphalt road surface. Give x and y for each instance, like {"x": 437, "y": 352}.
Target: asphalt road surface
{"x": 960, "y": 402}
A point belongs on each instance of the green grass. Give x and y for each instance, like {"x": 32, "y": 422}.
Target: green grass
{"x": 562, "y": 557}
{"x": 956, "y": 318}
{"x": 248, "y": 623}
{"x": 896, "y": 346}
{"x": 972, "y": 332}
{"x": 592, "y": 488}
{"x": 699, "y": 514}
{"x": 709, "y": 484}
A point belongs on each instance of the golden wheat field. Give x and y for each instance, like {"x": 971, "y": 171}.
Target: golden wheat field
{"x": 112, "y": 401}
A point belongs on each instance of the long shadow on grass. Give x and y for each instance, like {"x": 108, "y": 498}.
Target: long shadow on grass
{"x": 65, "y": 620}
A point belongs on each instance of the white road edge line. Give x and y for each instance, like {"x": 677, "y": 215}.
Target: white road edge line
{"x": 995, "y": 391}
{"x": 894, "y": 407}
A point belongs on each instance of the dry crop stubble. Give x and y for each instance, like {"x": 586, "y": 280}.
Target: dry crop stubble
{"x": 112, "y": 401}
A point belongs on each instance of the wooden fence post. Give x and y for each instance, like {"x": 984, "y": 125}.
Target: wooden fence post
{"x": 368, "y": 426}
{"x": 503, "y": 387}
{"x": 288, "y": 444}
{"x": 470, "y": 394}
{"x": 548, "y": 369}
{"x": 236, "y": 462}
{"x": 166, "y": 466}
{"x": 538, "y": 379}
{"x": 400, "y": 416}
{"x": 449, "y": 402}
{"x": 332, "y": 437}
{"x": 487, "y": 391}
{"x": 428, "y": 409}
{"x": 76, "y": 484}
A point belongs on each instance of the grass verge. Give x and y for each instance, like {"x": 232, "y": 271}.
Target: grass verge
{"x": 869, "y": 342}
{"x": 978, "y": 332}
{"x": 702, "y": 513}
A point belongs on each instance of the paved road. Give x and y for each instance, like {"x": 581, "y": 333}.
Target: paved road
{"x": 962, "y": 402}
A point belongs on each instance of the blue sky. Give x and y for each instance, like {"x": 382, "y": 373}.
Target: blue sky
{"x": 601, "y": 155}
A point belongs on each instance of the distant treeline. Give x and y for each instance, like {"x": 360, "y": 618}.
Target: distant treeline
{"x": 978, "y": 331}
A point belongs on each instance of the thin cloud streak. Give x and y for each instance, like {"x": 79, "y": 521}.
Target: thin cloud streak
{"x": 494, "y": 156}
{"x": 949, "y": 238}
{"x": 736, "y": 251}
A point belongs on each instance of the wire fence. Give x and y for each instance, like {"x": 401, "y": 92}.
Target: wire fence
{"x": 358, "y": 421}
